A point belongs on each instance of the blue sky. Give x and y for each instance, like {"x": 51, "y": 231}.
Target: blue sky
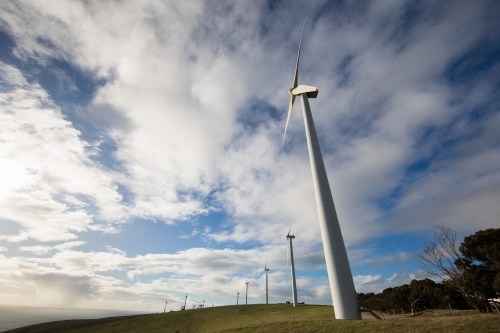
{"x": 140, "y": 144}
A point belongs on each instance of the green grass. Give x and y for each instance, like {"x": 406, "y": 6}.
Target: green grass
{"x": 284, "y": 318}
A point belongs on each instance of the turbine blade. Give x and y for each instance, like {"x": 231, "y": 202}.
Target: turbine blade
{"x": 290, "y": 107}
{"x": 296, "y": 75}
{"x": 290, "y": 228}
{"x": 294, "y": 85}
{"x": 287, "y": 251}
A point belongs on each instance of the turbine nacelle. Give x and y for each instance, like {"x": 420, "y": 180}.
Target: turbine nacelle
{"x": 310, "y": 91}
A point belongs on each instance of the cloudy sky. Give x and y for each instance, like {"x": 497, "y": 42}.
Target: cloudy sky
{"x": 140, "y": 144}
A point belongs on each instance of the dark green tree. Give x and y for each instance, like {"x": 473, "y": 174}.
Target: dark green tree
{"x": 442, "y": 258}
{"x": 482, "y": 250}
{"x": 452, "y": 297}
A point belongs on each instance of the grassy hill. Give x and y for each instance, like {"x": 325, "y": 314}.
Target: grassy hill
{"x": 285, "y": 318}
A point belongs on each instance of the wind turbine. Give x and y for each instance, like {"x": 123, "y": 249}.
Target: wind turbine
{"x": 267, "y": 291}
{"x": 203, "y": 304}
{"x": 246, "y": 294}
{"x": 237, "y": 296}
{"x": 339, "y": 272}
{"x": 166, "y": 302}
{"x": 185, "y": 300}
{"x": 294, "y": 285}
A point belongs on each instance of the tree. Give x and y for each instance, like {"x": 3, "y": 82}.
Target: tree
{"x": 417, "y": 296}
{"x": 420, "y": 292}
{"x": 452, "y": 297}
{"x": 442, "y": 258}
{"x": 484, "y": 248}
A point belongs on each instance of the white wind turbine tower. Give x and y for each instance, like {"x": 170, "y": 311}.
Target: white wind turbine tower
{"x": 246, "y": 294}
{"x": 237, "y": 296}
{"x": 267, "y": 290}
{"x": 339, "y": 272}
{"x": 166, "y": 302}
{"x": 294, "y": 285}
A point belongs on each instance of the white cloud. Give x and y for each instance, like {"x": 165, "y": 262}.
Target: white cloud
{"x": 83, "y": 277}
{"x": 11, "y": 76}
{"x": 376, "y": 283}
{"x": 68, "y": 245}
{"x": 115, "y": 250}
{"x": 43, "y": 158}
{"x": 396, "y": 257}
{"x": 37, "y": 249}
{"x": 194, "y": 113}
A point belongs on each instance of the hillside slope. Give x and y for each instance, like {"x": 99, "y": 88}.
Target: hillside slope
{"x": 285, "y": 318}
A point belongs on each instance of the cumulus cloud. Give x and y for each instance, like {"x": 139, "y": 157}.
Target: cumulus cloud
{"x": 387, "y": 96}
{"x": 83, "y": 277}
{"x": 38, "y": 249}
{"x": 396, "y": 257}
{"x": 43, "y": 158}
{"x": 68, "y": 245}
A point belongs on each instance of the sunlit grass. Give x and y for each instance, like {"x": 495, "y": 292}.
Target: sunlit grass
{"x": 284, "y": 318}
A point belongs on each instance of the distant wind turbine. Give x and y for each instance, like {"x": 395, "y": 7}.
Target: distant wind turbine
{"x": 166, "y": 302}
{"x": 246, "y": 294}
{"x": 203, "y": 304}
{"x": 339, "y": 272}
{"x": 237, "y": 296}
{"x": 267, "y": 291}
{"x": 294, "y": 285}
{"x": 185, "y": 300}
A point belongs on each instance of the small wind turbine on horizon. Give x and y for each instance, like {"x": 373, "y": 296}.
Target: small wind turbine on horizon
{"x": 237, "y": 297}
{"x": 294, "y": 285}
{"x": 267, "y": 291}
{"x": 166, "y": 302}
{"x": 339, "y": 271}
{"x": 246, "y": 294}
